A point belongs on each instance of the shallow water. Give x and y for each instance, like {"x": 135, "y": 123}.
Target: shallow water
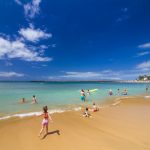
{"x": 57, "y": 95}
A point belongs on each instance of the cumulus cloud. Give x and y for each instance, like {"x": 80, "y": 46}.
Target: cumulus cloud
{"x": 34, "y": 35}
{"x": 11, "y": 74}
{"x": 144, "y": 65}
{"x": 31, "y": 9}
{"x": 18, "y": 49}
{"x": 145, "y": 45}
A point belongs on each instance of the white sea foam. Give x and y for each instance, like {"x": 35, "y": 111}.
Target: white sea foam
{"x": 30, "y": 114}
{"x": 147, "y": 96}
{"x": 77, "y": 108}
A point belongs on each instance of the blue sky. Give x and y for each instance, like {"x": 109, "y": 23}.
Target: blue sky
{"x": 74, "y": 40}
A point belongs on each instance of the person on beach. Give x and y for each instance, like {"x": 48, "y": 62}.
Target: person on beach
{"x": 45, "y": 121}
{"x": 110, "y": 92}
{"x": 82, "y": 95}
{"x": 95, "y": 108}
{"x": 86, "y": 112}
{"x": 34, "y": 100}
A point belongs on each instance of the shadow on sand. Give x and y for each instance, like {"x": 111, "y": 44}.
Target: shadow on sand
{"x": 52, "y": 132}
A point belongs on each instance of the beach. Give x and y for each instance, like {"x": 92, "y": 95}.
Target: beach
{"x": 125, "y": 125}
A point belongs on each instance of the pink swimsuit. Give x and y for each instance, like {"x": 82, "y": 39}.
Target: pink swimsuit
{"x": 45, "y": 120}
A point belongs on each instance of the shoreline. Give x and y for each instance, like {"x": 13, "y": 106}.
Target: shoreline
{"x": 123, "y": 126}
{"x": 107, "y": 102}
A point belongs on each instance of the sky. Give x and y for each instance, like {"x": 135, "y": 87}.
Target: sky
{"x": 74, "y": 40}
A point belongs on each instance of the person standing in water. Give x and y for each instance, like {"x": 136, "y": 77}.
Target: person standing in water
{"x": 34, "y": 100}
{"x": 45, "y": 121}
{"x": 118, "y": 92}
{"x": 110, "y": 92}
{"x": 125, "y": 92}
{"x": 88, "y": 92}
{"x": 146, "y": 89}
{"x": 82, "y": 95}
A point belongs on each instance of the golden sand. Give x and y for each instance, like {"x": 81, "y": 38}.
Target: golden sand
{"x": 124, "y": 126}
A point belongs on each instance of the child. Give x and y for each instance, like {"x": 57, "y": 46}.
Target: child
{"x": 95, "y": 108}
{"x": 46, "y": 118}
{"x": 86, "y": 114}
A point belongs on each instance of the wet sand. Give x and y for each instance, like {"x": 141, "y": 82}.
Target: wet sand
{"x": 123, "y": 126}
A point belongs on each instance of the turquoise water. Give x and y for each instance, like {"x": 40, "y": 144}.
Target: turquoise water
{"x": 57, "y": 95}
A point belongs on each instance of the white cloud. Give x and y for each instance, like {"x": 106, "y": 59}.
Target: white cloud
{"x": 18, "y": 49}
{"x": 11, "y": 74}
{"x": 34, "y": 35}
{"x": 142, "y": 53}
{"x": 101, "y": 75}
{"x": 32, "y": 8}
{"x": 146, "y": 45}
{"x": 81, "y": 75}
{"x": 144, "y": 65}
{"x": 43, "y": 46}
{"x": 105, "y": 74}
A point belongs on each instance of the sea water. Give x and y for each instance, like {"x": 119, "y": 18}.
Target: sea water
{"x": 58, "y": 96}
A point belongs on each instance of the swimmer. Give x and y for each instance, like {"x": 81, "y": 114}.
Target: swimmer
{"x": 22, "y": 101}
{"x": 118, "y": 92}
{"x": 88, "y": 92}
{"x": 34, "y": 100}
{"x": 146, "y": 89}
{"x": 110, "y": 92}
{"x": 45, "y": 121}
{"x": 125, "y": 92}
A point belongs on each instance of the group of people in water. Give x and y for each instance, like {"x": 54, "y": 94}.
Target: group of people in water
{"x": 110, "y": 93}
{"x": 86, "y": 113}
{"x": 95, "y": 107}
{"x": 124, "y": 92}
{"x": 34, "y": 100}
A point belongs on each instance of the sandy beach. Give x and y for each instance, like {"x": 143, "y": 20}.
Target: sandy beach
{"x": 124, "y": 126}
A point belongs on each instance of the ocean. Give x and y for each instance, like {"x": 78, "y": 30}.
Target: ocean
{"x": 58, "y": 96}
